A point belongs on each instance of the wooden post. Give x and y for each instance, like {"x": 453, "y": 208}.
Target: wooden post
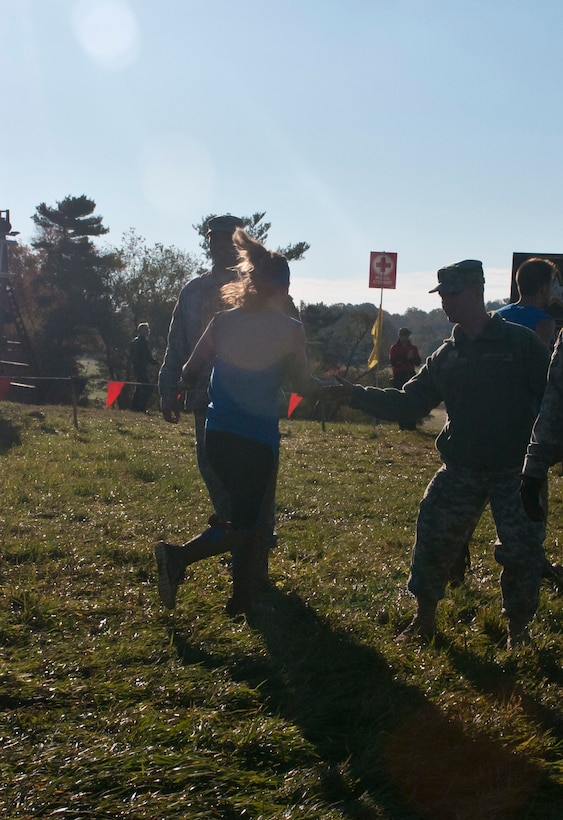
{"x": 74, "y": 401}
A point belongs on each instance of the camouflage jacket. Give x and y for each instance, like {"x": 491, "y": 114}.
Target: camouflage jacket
{"x": 491, "y": 386}
{"x": 546, "y": 443}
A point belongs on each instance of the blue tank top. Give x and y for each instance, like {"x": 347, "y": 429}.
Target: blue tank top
{"x": 526, "y": 315}
{"x": 245, "y": 402}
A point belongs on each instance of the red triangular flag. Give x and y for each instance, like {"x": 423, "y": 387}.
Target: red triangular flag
{"x": 294, "y": 400}
{"x": 114, "y": 389}
{"x": 4, "y": 385}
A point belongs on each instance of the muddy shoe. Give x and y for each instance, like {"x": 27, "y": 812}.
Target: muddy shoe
{"x": 418, "y": 629}
{"x": 170, "y": 572}
{"x": 423, "y": 625}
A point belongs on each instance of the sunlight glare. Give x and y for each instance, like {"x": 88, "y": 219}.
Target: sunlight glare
{"x": 108, "y": 32}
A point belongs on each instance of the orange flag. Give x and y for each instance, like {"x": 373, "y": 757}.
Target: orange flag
{"x": 294, "y": 400}
{"x": 114, "y": 389}
{"x": 4, "y": 385}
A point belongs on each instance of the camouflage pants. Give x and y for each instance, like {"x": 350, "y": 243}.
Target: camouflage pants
{"x": 219, "y": 496}
{"x": 450, "y": 510}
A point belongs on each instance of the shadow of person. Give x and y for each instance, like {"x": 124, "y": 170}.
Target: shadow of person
{"x": 502, "y": 684}
{"x": 386, "y": 750}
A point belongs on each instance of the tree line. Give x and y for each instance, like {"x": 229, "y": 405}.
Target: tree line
{"x": 82, "y": 300}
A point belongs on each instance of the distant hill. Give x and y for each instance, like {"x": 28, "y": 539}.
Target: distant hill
{"x": 340, "y": 337}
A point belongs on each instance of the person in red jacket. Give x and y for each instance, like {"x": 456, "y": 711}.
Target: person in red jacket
{"x": 403, "y": 357}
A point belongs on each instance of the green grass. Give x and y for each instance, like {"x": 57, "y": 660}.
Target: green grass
{"x": 112, "y": 707}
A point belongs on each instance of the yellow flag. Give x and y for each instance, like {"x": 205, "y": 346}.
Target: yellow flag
{"x": 376, "y": 335}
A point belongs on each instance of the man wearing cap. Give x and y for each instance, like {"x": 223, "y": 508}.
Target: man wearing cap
{"x": 404, "y": 357}
{"x": 199, "y": 300}
{"x": 197, "y": 303}
{"x": 534, "y": 280}
{"x": 491, "y": 375}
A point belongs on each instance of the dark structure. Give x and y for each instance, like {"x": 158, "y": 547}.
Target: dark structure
{"x": 17, "y": 361}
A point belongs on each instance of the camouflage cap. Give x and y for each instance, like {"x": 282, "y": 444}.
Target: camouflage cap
{"x": 458, "y": 276}
{"x": 225, "y": 223}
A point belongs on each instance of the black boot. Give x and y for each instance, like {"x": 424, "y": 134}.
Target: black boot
{"x": 423, "y": 625}
{"x": 247, "y": 578}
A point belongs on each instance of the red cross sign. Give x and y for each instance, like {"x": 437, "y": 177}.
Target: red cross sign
{"x": 382, "y": 270}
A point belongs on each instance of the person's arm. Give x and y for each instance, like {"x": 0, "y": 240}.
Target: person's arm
{"x": 546, "y": 442}
{"x": 414, "y": 401}
{"x": 177, "y": 350}
{"x": 202, "y": 356}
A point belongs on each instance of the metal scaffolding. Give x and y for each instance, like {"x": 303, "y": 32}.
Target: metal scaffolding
{"x": 17, "y": 360}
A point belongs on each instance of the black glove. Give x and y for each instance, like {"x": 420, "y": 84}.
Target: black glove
{"x": 531, "y": 494}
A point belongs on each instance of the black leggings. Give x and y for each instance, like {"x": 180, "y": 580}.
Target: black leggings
{"x": 245, "y": 468}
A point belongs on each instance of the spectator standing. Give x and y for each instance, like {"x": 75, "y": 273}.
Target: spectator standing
{"x": 534, "y": 279}
{"x": 140, "y": 357}
{"x": 404, "y": 358}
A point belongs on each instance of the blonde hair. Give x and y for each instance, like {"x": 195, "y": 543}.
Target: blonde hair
{"x": 260, "y": 273}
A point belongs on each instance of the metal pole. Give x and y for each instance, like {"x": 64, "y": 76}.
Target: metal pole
{"x": 380, "y": 324}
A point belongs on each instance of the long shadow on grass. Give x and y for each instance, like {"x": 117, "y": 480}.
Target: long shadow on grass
{"x": 503, "y": 684}
{"x": 386, "y": 751}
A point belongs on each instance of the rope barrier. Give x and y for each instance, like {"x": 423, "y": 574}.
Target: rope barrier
{"x": 114, "y": 387}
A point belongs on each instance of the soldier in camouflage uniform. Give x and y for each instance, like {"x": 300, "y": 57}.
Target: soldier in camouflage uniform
{"x": 546, "y": 444}
{"x": 534, "y": 280}
{"x": 491, "y": 375}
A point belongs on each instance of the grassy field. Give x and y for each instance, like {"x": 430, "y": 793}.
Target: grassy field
{"x": 112, "y": 707}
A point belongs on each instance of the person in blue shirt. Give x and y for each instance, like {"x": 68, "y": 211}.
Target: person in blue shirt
{"x": 534, "y": 278}
{"x": 253, "y": 348}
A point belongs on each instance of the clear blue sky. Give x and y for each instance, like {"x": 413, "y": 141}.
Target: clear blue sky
{"x": 432, "y": 128}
